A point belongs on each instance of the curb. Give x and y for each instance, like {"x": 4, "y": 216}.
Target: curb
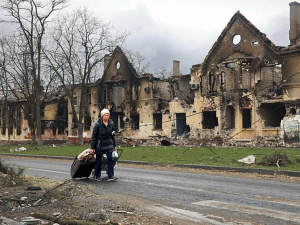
{"x": 207, "y": 167}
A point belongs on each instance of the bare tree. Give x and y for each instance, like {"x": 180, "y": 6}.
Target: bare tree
{"x": 17, "y": 71}
{"x": 31, "y": 18}
{"x": 138, "y": 61}
{"x": 163, "y": 73}
{"x": 4, "y": 88}
{"x": 80, "y": 42}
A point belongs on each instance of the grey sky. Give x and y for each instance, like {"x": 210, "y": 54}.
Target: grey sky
{"x": 185, "y": 30}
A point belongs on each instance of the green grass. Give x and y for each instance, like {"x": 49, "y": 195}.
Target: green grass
{"x": 172, "y": 155}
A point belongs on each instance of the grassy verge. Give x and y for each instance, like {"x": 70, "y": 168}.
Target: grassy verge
{"x": 217, "y": 156}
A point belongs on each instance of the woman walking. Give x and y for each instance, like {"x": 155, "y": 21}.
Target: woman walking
{"x": 104, "y": 142}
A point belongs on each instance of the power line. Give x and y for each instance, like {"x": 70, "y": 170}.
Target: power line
{"x": 253, "y": 92}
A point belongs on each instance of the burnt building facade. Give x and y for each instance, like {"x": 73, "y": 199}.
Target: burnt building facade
{"x": 248, "y": 86}
{"x": 247, "y": 89}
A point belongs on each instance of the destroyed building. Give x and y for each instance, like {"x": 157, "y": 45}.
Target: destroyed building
{"x": 247, "y": 84}
{"x": 16, "y": 113}
{"x": 247, "y": 89}
{"x": 138, "y": 103}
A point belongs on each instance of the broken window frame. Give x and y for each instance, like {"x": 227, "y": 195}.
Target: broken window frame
{"x": 87, "y": 121}
{"x": 230, "y": 117}
{"x": 211, "y": 81}
{"x": 246, "y": 118}
{"x": 181, "y": 121}
{"x": 212, "y": 122}
{"x": 272, "y": 113}
{"x": 157, "y": 121}
{"x": 135, "y": 122}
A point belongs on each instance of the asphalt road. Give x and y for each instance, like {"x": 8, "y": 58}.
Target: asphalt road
{"x": 197, "y": 197}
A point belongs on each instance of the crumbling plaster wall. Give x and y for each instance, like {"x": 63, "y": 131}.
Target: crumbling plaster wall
{"x": 230, "y": 65}
{"x": 72, "y": 127}
{"x": 161, "y": 89}
{"x": 291, "y": 128}
{"x": 146, "y": 105}
{"x": 50, "y": 111}
{"x": 193, "y": 119}
{"x": 16, "y": 119}
{"x": 180, "y": 88}
{"x": 291, "y": 75}
{"x": 94, "y": 108}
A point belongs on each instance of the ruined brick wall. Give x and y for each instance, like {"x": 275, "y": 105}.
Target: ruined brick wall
{"x": 268, "y": 75}
{"x": 290, "y": 70}
{"x": 180, "y": 86}
{"x": 161, "y": 89}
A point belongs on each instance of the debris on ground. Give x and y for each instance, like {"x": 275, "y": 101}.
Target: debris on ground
{"x": 278, "y": 159}
{"x": 250, "y": 159}
{"x": 43, "y": 200}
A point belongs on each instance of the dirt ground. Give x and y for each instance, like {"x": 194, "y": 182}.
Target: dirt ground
{"x": 72, "y": 202}
{"x": 69, "y": 202}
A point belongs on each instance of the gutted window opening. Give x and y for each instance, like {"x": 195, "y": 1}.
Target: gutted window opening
{"x": 3, "y": 130}
{"x": 74, "y": 124}
{"x": 43, "y": 126}
{"x": 117, "y": 118}
{"x": 42, "y": 110}
{"x": 118, "y": 96}
{"x": 11, "y": 128}
{"x": 118, "y": 65}
{"x": 222, "y": 86}
{"x": 100, "y": 97}
{"x": 75, "y": 101}
{"x": 254, "y": 43}
{"x": 230, "y": 118}
{"x": 62, "y": 126}
{"x": 53, "y": 127}
{"x": 89, "y": 97}
{"x": 212, "y": 81}
{"x": 62, "y": 108}
{"x": 246, "y": 118}
{"x": 236, "y": 39}
{"x": 157, "y": 121}
{"x": 18, "y": 130}
{"x": 19, "y": 118}
{"x": 293, "y": 111}
{"x": 210, "y": 120}
{"x": 135, "y": 122}
{"x": 181, "y": 123}
{"x": 272, "y": 114}
{"x": 104, "y": 96}
{"x": 87, "y": 121}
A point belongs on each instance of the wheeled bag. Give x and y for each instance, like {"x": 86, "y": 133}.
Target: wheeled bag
{"x": 104, "y": 161}
{"x": 82, "y": 168}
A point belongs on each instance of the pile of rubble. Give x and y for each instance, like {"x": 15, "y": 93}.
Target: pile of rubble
{"x": 210, "y": 139}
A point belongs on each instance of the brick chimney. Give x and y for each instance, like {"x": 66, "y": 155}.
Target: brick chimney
{"x": 176, "y": 68}
{"x": 294, "y": 23}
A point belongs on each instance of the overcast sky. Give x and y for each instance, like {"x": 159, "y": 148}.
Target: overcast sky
{"x": 185, "y": 30}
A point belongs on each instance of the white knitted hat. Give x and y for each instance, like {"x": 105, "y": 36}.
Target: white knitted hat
{"x": 104, "y": 111}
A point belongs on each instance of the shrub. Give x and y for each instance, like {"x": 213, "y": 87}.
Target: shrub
{"x": 13, "y": 174}
{"x": 278, "y": 159}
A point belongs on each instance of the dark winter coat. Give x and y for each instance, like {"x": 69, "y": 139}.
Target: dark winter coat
{"x": 103, "y": 138}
